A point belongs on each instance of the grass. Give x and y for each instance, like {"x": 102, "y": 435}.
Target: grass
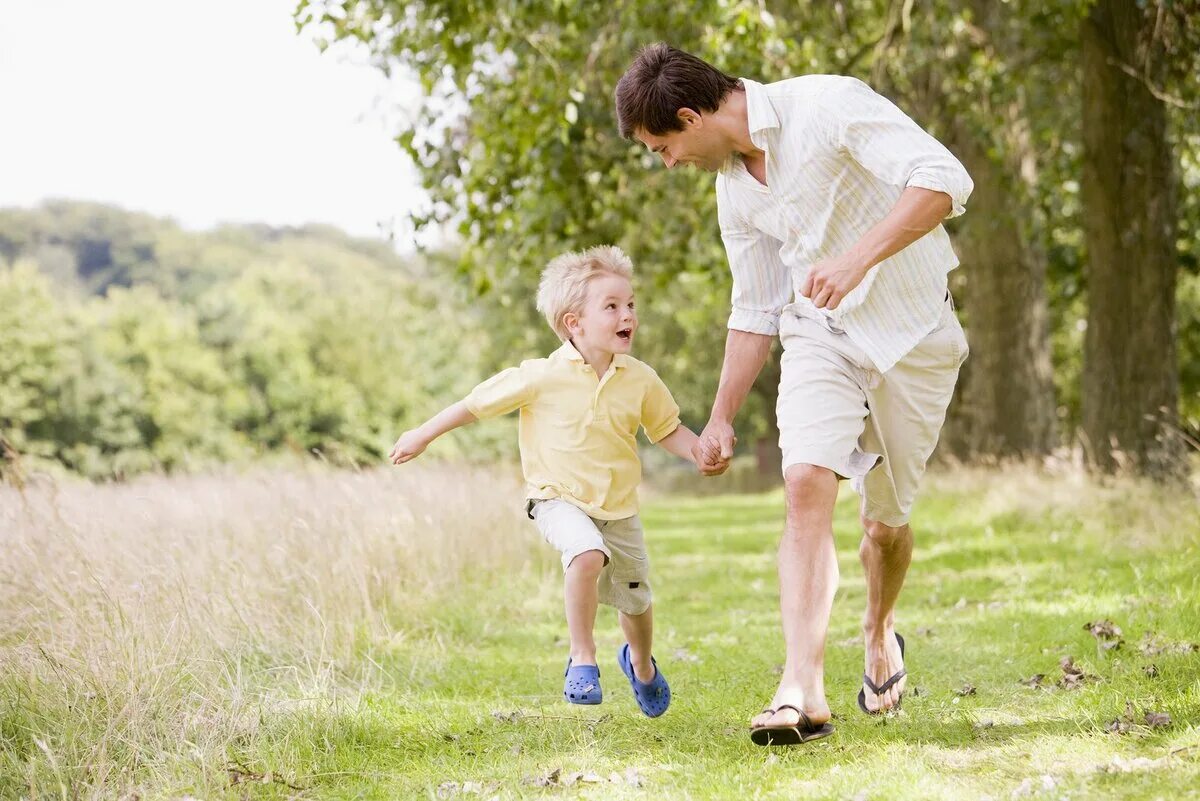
{"x": 398, "y": 634}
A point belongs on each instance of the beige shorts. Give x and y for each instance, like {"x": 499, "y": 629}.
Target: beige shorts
{"x": 837, "y": 411}
{"x": 624, "y": 582}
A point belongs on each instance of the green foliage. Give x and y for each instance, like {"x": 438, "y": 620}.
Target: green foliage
{"x": 224, "y": 346}
{"x": 517, "y": 143}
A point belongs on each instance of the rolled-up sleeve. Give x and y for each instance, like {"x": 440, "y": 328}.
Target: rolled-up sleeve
{"x": 888, "y": 144}
{"x": 762, "y": 283}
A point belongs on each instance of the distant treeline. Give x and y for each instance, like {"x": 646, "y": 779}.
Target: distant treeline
{"x": 128, "y": 344}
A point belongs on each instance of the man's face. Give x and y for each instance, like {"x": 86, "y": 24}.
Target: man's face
{"x": 696, "y": 145}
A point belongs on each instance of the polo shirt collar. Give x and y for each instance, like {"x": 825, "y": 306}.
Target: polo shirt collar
{"x": 568, "y": 352}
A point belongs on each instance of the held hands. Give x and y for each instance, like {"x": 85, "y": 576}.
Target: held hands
{"x": 714, "y": 448}
{"x": 831, "y": 280}
{"x": 410, "y": 445}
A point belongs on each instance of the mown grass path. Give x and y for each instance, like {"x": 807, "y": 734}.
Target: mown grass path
{"x": 1003, "y": 581}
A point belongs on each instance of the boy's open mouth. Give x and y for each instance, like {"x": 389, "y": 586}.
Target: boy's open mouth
{"x": 625, "y": 333}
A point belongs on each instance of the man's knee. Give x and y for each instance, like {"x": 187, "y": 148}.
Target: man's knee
{"x": 588, "y": 563}
{"x": 806, "y": 484}
{"x": 883, "y": 535}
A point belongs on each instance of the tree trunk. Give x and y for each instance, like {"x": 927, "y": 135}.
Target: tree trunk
{"x": 1007, "y": 407}
{"x": 1130, "y": 375}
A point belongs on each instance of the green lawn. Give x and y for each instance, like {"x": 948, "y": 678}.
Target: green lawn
{"x": 463, "y": 698}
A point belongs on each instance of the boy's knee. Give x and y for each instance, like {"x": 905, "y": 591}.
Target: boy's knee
{"x": 589, "y": 563}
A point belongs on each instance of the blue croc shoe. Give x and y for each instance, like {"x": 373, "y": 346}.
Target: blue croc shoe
{"x": 582, "y": 684}
{"x": 652, "y": 698}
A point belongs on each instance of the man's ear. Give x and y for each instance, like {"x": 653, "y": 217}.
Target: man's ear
{"x": 689, "y": 117}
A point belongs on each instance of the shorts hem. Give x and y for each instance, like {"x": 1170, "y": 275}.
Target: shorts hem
{"x": 881, "y": 515}
{"x": 569, "y": 556}
{"x": 855, "y": 466}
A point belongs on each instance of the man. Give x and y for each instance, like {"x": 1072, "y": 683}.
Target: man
{"x": 830, "y": 202}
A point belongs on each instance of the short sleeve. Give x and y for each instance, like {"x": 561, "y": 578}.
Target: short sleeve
{"x": 660, "y": 413}
{"x": 504, "y": 392}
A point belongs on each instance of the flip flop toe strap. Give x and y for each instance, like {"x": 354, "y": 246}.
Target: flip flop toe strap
{"x": 887, "y": 685}
{"x": 805, "y": 721}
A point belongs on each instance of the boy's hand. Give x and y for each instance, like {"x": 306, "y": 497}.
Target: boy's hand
{"x": 410, "y": 445}
{"x": 714, "y": 449}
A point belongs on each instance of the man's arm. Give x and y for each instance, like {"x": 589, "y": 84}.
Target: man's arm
{"x": 897, "y": 151}
{"x": 745, "y": 355}
{"x": 414, "y": 442}
{"x": 917, "y": 212}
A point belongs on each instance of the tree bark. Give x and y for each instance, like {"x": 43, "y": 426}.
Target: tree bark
{"x": 1130, "y": 375}
{"x": 1007, "y": 407}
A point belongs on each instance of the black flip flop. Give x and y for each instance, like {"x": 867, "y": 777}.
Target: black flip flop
{"x": 882, "y": 688}
{"x": 804, "y": 731}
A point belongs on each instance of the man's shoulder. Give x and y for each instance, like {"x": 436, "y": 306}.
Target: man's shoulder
{"x": 807, "y": 97}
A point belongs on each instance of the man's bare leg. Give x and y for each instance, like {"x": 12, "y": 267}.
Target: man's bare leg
{"x": 885, "y": 553}
{"x": 808, "y": 577}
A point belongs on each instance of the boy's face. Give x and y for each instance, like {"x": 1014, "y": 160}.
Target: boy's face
{"x": 607, "y": 321}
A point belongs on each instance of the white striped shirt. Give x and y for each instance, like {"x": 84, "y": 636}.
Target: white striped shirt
{"x": 838, "y": 155}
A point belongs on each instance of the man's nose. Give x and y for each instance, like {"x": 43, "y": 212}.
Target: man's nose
{"x": 670, "y": 162}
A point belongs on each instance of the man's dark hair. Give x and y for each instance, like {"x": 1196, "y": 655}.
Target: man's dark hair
{"x": 662, "y": 80}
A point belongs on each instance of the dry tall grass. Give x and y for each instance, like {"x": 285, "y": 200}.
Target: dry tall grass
{"x": 142, "y": 623}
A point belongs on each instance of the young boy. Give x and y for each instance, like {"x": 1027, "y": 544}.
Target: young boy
{"x": 580, "y": 411}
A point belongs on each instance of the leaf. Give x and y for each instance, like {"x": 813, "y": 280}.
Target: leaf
{"x": 1033, "y": 681}
{"x": 1157, "y": 720}
{"x": 966, "y": 689}
{"x": 1103, "y": 630}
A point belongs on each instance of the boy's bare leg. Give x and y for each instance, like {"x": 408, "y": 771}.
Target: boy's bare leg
{"x": 808, "y": 577}
{"x": 581, "y": 599}
{"x": 885, "y": 553}
{"x": 639, "y": 633}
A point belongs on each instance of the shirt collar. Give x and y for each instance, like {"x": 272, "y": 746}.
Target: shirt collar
{"x": 568, "y": 352}
{"x": 760, "y": 114}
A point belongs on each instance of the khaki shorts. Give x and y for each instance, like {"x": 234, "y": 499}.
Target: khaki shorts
{"x": 837, "y": 411}
{"x": 624, "y": 582}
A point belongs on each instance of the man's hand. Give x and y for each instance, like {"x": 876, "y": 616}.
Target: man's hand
{"x": 831, "y": 280}
{"x": 714, "y": 448}
{"x": 410, "y": 445}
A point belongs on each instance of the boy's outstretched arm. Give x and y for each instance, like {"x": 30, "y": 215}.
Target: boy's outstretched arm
{"x": 412, "y": 443}
{"x": 680, "y": 442}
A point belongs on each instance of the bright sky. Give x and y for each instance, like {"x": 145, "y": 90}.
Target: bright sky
{"x": 205, "y": 111}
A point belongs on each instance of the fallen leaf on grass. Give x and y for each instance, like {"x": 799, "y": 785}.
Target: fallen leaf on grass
{"x": 1153, "y": 645}
{"x": 556, "y": 778}
{"x": 1103, "y": 630}
{"x": 1157, "y": 719}
{"x": 548, "y": 780}
{"x": 1151, "y": 671}
{"x": 1073, "y": 675}
{"x": 508, "y": 717}
{"x": 1033, "y": 681}
{"x": 240, "y": 774}
{"x": 966, "y": 689}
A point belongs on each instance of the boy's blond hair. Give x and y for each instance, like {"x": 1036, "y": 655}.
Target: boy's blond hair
{"x": 565, "y": 280}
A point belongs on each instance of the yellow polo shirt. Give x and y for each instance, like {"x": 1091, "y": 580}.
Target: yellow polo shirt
{"x": 577, "y": 431}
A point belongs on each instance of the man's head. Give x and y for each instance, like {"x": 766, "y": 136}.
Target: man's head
{"x": 666, "y": 100}
{"x": 587, "y": 297}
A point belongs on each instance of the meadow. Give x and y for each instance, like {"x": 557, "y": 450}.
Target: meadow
{"x": 398, "y": 634}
